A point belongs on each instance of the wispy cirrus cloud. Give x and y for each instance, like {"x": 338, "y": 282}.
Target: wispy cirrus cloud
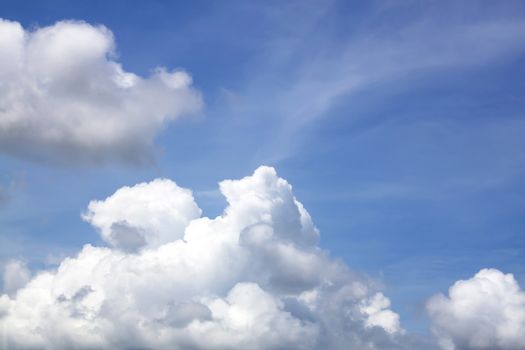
{"x": 310, "y": 67}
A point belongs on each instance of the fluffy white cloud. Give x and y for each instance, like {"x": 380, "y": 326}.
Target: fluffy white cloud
{"x": 64, "y": 98}
{"x": 145, "y": 215}
{"x": 484, "y": 312}
{"x": 379, "y": 314}
{"x": 252, "y": 278}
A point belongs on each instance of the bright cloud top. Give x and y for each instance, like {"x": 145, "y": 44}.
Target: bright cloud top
{"x": 484, "y": 312}
{"x": 64, "y": 98}
{"x": 148, "y": 214}
{"x": 252, "y": 278}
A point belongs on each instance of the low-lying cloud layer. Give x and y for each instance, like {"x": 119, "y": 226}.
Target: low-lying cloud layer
{"x": 64, "y": 98}
{"x": 252, "y": 278}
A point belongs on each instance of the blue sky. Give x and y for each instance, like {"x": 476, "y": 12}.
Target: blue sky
{"x": 399, "y": 124}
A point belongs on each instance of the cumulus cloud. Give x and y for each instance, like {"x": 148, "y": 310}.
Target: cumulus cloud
{"x": 64, "y": 98}
{"x": 379, "y": 314}
{"x": 484, "y": 312}
{"x": 251, "y": 278}
{"x": 148, "y": 214}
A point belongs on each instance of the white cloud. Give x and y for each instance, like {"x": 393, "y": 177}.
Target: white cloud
{"x": 379, "y": 314}
{"x": 484, "y": 312}
{"x": 252, "y": 278}
{"x": 16, "y": 276}
{"x": 145, "y": 215}
{"x": 64, "y": 98}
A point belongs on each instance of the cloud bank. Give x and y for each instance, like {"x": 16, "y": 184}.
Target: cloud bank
{"x": 252, "y": 278}
{"x": 64, "y": 98}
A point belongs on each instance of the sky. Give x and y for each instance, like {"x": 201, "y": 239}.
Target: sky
{"x": 399, "y": 125}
